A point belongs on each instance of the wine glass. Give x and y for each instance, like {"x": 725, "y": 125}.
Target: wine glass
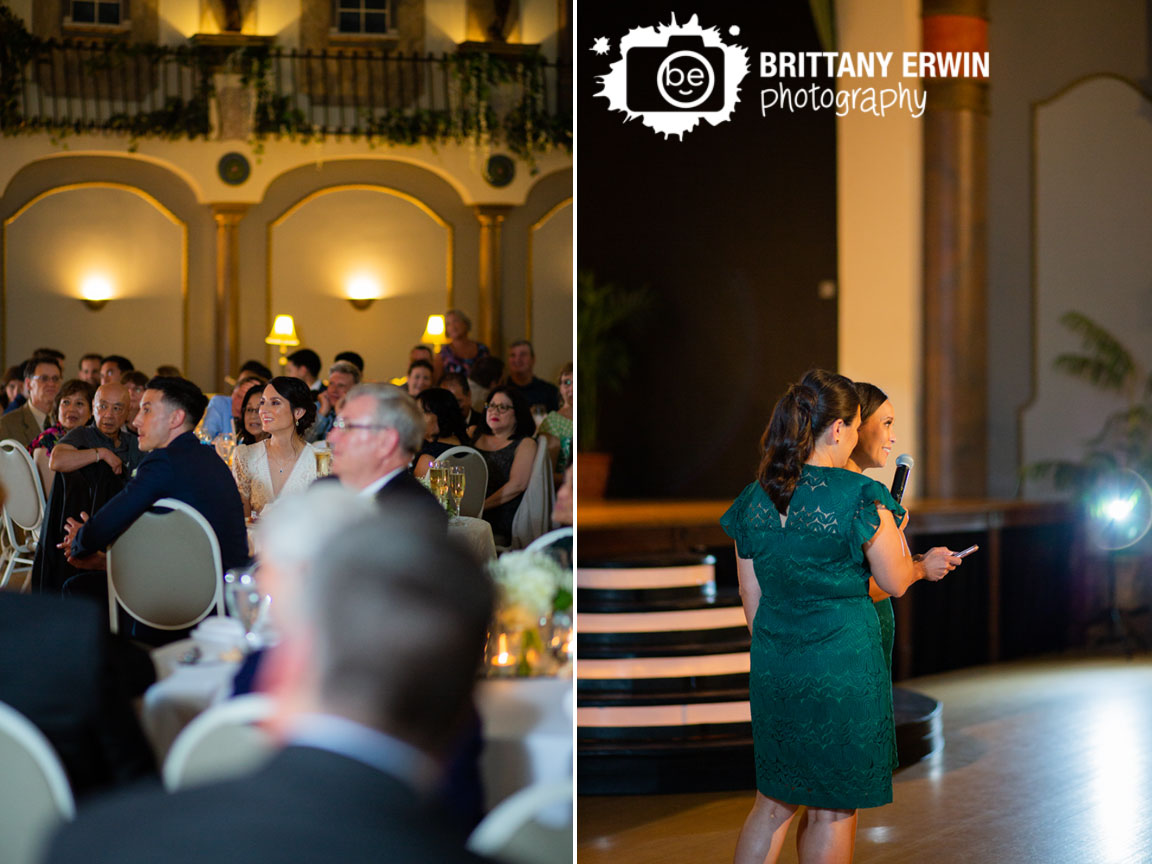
{"x": 225, "y": 445}
{"x": 246, "y": 602}
{"x": 456, "y": 487}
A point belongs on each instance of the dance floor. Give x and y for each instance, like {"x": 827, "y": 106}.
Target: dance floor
{"x": 1045, "y": 762}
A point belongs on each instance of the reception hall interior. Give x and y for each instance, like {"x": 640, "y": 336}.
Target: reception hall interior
{"x": 985, "y": 265}
{"x": 247, "y": 244}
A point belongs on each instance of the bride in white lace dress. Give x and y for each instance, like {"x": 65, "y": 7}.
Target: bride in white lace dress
{"x": 284, "y": 463}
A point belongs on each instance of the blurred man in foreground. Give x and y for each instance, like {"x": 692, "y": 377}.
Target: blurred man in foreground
{"x": 373, "y": 675}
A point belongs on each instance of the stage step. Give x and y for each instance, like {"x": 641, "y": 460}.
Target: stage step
{"x": 662, "y": 687}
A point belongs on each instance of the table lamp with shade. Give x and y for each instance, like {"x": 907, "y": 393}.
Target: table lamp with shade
{"x": 434, "y": 334}
{"x": 283, "y": 334}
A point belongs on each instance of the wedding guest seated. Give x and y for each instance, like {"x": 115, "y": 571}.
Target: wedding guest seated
{"x": 135, "y": 381}
{"x": 113, "y": 367}
{"x": 351, "y": 357}
{"x": 486, "y": 373}
{"x": 223, "y": 412}
{"x": 89, "y": 369}
{"x": 459, "y": 353}
{"x": 521, "y": 363}
{"x": 304, "y": 363}
{"x": 255, "y": 367}
{"x": 342, "y": 376}
{"x": 456, "y": 383}
{"x": 13, "y": 385}
{"x": 106, "y": 441}
{"x": 365, "y": 632}
{"x": 443, "y": 427}
{"x": 284, "y": 463}
{"x": 419, "y": 378}
{"x": 558, "y": 426}
{"x": 251, "y": 429}
{"x": 374, "y": 439}
{"x": 72, "y": 410}
{"x": 175, "y": 465}
{"x": 505, "y": 441}
{"x": 42, "y": 380}
{"x": 167, "y": 371}
{"x": 418, "y": 352}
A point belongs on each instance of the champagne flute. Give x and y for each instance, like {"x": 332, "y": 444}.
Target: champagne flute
{"x": 323, "y": 459}
{"x": 438, "y": 473}
{"x": 225, "y": 445}
{"x": 456, "y": 486}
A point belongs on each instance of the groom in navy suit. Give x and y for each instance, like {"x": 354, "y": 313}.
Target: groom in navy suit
{"x": 383, "y": 626}
{"x": 177, "y": 466}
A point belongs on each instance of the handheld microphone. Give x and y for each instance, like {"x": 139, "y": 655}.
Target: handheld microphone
{"x": 904, "y": 464}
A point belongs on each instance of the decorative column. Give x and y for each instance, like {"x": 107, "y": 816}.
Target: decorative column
{"x": 955, "y": 389}
{"x": 491, "y": 312}
{"x": 227, "y": 317}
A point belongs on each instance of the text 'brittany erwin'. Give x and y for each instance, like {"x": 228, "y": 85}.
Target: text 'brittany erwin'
{"x": 864, "y": 64}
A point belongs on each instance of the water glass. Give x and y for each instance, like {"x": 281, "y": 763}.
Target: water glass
{"x": 247, "y": 603}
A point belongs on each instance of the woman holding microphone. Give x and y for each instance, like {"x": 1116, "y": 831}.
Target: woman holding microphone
{"x": 808, "y": 536}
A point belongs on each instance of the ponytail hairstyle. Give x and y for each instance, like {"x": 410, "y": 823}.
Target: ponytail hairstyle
{"x": 802, "y": 414}
{"x": 871, "y": 398}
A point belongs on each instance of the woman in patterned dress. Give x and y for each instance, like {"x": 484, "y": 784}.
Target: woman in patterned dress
{"x": 807, "y": 532}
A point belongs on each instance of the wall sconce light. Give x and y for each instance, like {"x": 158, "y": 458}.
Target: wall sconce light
{"x": 283, "y": 334}
{"x": 95, "y": 292}
{"x": 362, "y": 292}
{"x": 434, "y": 331}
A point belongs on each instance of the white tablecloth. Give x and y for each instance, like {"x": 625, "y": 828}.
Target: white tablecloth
{"x": 475, "y": 534}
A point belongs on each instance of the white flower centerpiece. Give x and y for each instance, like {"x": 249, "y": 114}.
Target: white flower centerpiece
{"x": 532, "y": 628}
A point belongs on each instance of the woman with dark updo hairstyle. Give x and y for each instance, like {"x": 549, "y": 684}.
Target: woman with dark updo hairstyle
{"x": 283, "y": 463}
{"x": 806, "y": 533}
{"x": 443, "y": 426}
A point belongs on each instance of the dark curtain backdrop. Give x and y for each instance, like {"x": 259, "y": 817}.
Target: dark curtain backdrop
{"x": 732, "y": 229}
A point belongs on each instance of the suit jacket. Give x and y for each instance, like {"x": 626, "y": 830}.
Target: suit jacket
{"x": 305, "y": 805}
{"x": 20, "y": 425}
{"x": 406, "y": 491}
{"x": 58, "y": 668}
{"x": 187, "y": 471}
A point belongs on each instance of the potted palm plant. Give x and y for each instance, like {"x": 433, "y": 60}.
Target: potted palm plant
{"x": 603, "y": 311}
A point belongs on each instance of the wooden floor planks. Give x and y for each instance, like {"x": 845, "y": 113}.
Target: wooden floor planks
{"x": 1045, "y": 762}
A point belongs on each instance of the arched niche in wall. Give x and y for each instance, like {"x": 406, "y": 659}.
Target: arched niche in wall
{"x": 360, "y": 239}
{"x": 549, "y": 289}
{"x": 117, "y": 235}
{"x": 1092, "y": 216}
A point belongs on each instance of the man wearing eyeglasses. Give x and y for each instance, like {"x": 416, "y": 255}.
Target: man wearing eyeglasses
{"x": 42, "y": 378}
{"x": 373, "y": 439}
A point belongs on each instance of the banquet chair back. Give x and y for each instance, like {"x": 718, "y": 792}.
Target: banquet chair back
{"x": 534, "y": 515}
{"x": 225, "y": 741}
{"x": 514, "y": 832}
{"x": 165, "y": 569}
{"x": 23, "y": 508}
{"x": 475, "y": 478}
{"x": 557, "y": 544}
{"x": 34, "y": 793}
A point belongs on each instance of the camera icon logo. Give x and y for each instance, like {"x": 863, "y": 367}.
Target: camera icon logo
{"x": 673, "y": 76}
{"x": 684, "y": 75}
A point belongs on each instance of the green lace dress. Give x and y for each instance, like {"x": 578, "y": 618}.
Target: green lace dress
{"x": 821, "y": 691}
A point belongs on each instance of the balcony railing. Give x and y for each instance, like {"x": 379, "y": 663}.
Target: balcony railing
{"x": 146, "y": 90}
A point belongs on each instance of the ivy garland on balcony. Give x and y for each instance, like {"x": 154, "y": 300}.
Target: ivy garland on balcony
{"x": 475, "y": 82}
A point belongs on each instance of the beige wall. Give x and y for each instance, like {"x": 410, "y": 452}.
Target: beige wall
{"x": 879, "y": 171}
{"x": 550, "y": 289}
{"x": 85, "y": 227}
{"x": 337, "y": 236}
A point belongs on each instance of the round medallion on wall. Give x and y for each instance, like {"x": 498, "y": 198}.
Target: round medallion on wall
{"x": 233, "y": 168}
{"x": 500, "y": 170}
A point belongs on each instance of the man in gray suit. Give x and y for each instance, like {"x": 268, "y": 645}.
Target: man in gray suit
{"x": 42, "y": 378}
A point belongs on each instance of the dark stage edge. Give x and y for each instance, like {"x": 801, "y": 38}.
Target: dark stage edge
{"x": 662, "y": 766}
